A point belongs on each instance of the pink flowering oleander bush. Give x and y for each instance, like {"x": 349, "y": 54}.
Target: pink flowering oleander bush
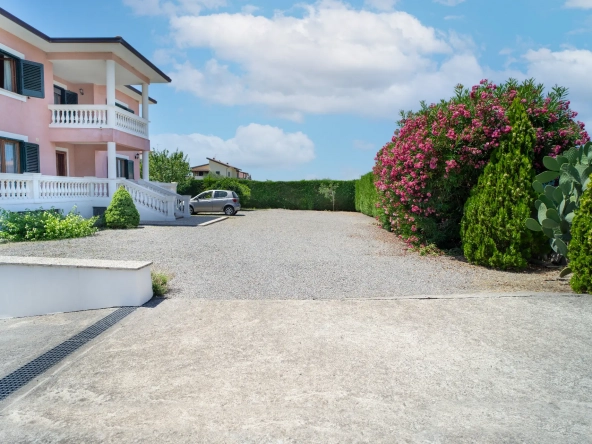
{"x": 425, "y": 174}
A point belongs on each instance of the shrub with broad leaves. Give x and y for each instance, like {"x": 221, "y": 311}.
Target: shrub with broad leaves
{"x": 425, "y": 174}
{"x": 40, "y": 225}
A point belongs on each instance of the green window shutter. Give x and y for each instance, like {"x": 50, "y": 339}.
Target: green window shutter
{"x": 31, "y": 79}
{"x": 130, "y": 169}
{"x": 30, "y": 158}
{"x": 70, "y": 98}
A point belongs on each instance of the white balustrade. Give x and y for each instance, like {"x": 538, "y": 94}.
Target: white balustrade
{"x": 97, "y": 116}
{"x": 40, "y": 188}
{"x": 15, "y": 187}
{"x": 126, "y": 121}
{"x": 37, "y": 189}
{"x": 149, "y": 198}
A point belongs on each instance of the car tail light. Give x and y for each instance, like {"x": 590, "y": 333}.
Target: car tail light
{"x": 234, "y": 200}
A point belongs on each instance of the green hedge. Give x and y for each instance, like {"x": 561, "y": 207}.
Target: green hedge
{"x": 367, "y": 196}
{"x": 192, "y": 187}
{"x": 299, "y": 195}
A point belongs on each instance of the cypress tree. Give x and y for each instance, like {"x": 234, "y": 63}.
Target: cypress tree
{"x": 579, "y": 250}
{"x": 492, "y": 229}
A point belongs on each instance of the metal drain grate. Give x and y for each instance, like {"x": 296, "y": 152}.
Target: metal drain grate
{"x": 17, "y": 379}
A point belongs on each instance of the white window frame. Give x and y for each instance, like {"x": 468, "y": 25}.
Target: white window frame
{"x": 19, "y": 55}
{"x": 65, "y": 150}
{"x": 60, "y": 84}
{"x": 7, "y": 135}
{"x": 122, "y": 103}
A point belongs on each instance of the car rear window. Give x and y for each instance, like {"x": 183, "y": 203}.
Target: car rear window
{"x": 219, "y": 194}
{"x": 234, "y": 195}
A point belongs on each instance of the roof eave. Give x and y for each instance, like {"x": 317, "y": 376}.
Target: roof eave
{"x": 117, "y": 40}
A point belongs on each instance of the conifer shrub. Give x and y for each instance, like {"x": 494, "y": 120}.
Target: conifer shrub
{"x": 122, "y": 212}
{"x": 492, "y": 228}
{"x": 580, "y": 248}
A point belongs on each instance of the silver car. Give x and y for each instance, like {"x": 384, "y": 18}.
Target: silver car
{"x": 215, "y": 200}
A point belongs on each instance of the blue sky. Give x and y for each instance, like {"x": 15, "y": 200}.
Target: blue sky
{"x": 301, "y": 89}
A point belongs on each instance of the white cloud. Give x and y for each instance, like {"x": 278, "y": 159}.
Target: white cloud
{"x": 452, "y": 2}
{"x": 171, "y": 7}
{"x": 253, "y": 146}
{"x": 569, "y": 68}
{"x": 333, "y": 59}
{"x": 381, "y": 5}
{"x": 454, "y": 17}
{"x": 580, "y": 4}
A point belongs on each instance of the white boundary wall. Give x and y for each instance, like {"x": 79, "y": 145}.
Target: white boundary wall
{"x": 37, "y": 286}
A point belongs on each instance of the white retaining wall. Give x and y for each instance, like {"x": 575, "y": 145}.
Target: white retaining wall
{"x": 37, "y": 286}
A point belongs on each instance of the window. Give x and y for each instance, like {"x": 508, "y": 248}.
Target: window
{"x": 218, "y": 173}
{"x": 58, "y": 95}
{"x": 234, "y": 195}
{"x": 21, "y": 76}
{"x": 220, "y": 194}
{"x": 129, "y": 110}
{"x": 206, "y": 195}
{"x": 228, "y": 172}
{"x": 62, "y": 96}
{"x": 8, "y": 73}
{"x": 9, "y": 156}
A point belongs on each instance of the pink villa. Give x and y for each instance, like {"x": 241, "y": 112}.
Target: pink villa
{"x": 72, "y": 127}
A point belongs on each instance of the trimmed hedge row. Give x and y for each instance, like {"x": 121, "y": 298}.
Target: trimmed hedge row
{"x": 299, "y": 195}
{"x": 367, "y": 196}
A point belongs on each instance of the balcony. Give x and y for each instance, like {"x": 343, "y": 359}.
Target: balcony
{"x": 98, "y": 116}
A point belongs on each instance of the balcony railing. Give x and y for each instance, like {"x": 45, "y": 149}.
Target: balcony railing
{"x": 97, "y": 116}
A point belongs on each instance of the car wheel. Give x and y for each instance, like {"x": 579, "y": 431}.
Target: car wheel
{"x": 229, "y": 210}
{"x": 191, "y": 210}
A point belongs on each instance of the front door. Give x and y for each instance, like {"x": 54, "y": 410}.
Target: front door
{"x": 61, "y": 163}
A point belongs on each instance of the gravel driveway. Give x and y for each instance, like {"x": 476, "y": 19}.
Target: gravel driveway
{"x": 282, "y": 254}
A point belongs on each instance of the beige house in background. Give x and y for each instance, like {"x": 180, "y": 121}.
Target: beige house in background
{"x": 218, "y": 168}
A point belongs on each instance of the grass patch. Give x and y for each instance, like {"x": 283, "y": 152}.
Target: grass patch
{"x": 160, "y": 283}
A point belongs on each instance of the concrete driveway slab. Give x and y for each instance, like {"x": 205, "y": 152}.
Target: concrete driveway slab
{"x": 23, "y": 339}
{"x": 378, "y": 371}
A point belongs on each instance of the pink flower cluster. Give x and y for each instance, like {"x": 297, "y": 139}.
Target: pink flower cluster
{"x": 424, "y": 175}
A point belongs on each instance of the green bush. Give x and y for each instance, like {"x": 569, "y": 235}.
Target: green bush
{"x": 160, "y": 283}
{"x": 580, "y": 247}
{"x": 367, "y": 196}
{"x": 191, "y": 187}
{"x": 299, "y": 195}
{"x": 227, "y": 183}
{"x": 122, "y": 212}
{"x": 492, "y": 228}
{"x": 44, "y": 225}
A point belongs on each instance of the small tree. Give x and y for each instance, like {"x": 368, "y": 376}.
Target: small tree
{"x": 122, "y": 212}
{"x": 169, "y": 167}
{"x": 492, "y": 229}
{"x": 580, "y": 248}
{"x": 328, "y": 190}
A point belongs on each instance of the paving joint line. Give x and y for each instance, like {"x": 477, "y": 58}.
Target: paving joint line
{"x": 28, "y": 372}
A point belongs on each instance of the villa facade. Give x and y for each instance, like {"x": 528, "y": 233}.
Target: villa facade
{"x": 72, "y": 127}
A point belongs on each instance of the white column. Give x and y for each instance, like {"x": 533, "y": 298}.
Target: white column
{"x": 145, "y": 101}
{"x": 146, "y": 165}
{"x": 111, "y": 167}
{"x": 110, "y": 86}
